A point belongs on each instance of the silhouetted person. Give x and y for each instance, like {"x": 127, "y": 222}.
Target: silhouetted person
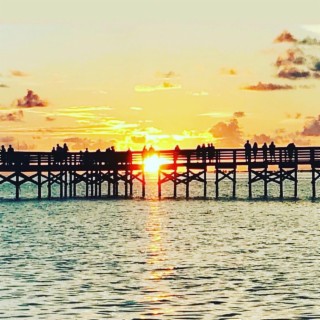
{"x": 176, "y": 153}
{"x": 198, "y": 152}
{"x": 54, "y": 155}
{"x": 10, "y": 154}
{"x": 272, "y": 150}
{"x": 204, "y": 152}
{"x": 86, "y": 157}
{"x": 129, "y": 156}
{"x": 144, "y": 152}
{"x": 80, "y": 157}
{"x": 211, "y": 152}
{"x": 98, "y": 156}
{"x": 3, "y": 155}
{"x": 247, "y": 149}
{"x": 290, "y": 150}
{"x": 265, "y": 152}
{"x": 255, "y": 151}
{"x": 151, "y": 151}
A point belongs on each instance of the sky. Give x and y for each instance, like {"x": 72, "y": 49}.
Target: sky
{"x": 129, "y": 73}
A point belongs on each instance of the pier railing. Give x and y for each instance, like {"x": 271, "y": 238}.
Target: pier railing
{"x": 45, "y": 160}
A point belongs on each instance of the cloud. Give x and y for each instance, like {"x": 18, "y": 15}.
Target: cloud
{"x": 48, "y": 118}
{"x": 216, "y": 114}
{"x": 12, "y": 116}
{"x": 268, "y": 87}
{"x": 24, "y": 146}
{"x": 239, "y": 114}
{"x": 312, "y": 27}
{"x": 136, "y": 108}
{"x": 227, "y": 134}
{"x": 285, "y": 36}
{"x": 164, "y": 86}
{"x": 136, "y": 139}
{"x": 312, "y": 128}
{"x": 2, "y": 85}
{"x": 293, "y": 73}
{"x": 292, "y": 56}
{"x": 31, "y": 100}
{"x": 310, "y": 41}
{"x": 7, "y": 139}
{"x": 295, "y": 116}
{"x": 18, "y": 73}
{"x": 262, "y": 138}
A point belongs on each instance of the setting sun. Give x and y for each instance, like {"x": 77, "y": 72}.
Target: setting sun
{"x": 152, "y": 163}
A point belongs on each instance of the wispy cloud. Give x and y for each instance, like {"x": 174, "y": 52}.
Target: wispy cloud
{"x": 2, "y": 85}
{"x": 268, "y": 87}
{"x": 136, "y": 108}
{"x": 31, "y": 100}
{"x": 164, "y": 86}
{"x": 18, "y": 73}
{"x": 199, "y": 93}
{"x": 216, "y": 114}
{"x": 12, "y": 116}
{"x": 50, "y": 119}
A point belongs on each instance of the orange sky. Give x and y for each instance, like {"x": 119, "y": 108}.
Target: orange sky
{"x": 133, "y": 73}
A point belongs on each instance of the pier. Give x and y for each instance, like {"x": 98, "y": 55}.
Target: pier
{"x": 103, "y": 173}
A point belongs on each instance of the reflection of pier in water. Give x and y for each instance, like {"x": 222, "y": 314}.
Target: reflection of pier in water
{"x": 179, "y": 167}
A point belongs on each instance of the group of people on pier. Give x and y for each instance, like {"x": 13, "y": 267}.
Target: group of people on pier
{"x": 271, "y": 149}
{"x": 7, "y": 156}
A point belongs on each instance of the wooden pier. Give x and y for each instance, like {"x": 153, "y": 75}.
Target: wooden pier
{"x": 105, "y": 171}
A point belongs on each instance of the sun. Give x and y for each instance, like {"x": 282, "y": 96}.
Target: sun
{"x": 153, "y": 163}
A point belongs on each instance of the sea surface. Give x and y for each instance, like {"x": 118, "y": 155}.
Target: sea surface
{"x": 161, "y": 259}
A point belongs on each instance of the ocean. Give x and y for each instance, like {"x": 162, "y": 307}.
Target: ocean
{"x": 161, "y": 259}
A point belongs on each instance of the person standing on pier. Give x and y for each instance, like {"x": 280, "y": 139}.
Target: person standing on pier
{"x": 10, "y": 154}
{"x": 265, "y": 152}
{"x": 247, "y": 148}
{"x": 272, "y": 150}
{"x": 255, "y": 151}
{"x": 3, "y": 155}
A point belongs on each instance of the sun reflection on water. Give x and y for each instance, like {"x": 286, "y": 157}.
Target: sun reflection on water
{"x": 159, "y": 294}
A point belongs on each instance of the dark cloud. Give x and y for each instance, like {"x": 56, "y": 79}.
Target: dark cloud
{"x": 50, "y": 119}
{"x": 31, "y": 100}
{"x": 12, "y": 116}
{"x": 18, "y": 73}
{"x": 285, "y": 36}
{"x": 239, "y": 114}
{"x": 137, "y": 139}
{"x": 228, "y": 134}
{"x": 291, "y": 57}
{"x": 268, "y": 87}
{"x": 2, "y": 85}
{"x": 294, "y": 73}
{"x": 312, "y": 128}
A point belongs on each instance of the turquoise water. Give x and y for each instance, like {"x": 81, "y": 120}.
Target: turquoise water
{"x": 168, "y": 259}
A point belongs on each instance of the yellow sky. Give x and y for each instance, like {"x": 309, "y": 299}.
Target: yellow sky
{"x": 129, "y": 73}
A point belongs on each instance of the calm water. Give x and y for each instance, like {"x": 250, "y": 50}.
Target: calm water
{"x": 169, "y": 259}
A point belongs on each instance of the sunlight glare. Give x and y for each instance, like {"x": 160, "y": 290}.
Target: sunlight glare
{"x": 152, "y": 164}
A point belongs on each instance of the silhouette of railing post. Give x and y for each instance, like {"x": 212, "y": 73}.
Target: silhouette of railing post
{"x": 188, "y": 175}
{"x": 281, "y": 175}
